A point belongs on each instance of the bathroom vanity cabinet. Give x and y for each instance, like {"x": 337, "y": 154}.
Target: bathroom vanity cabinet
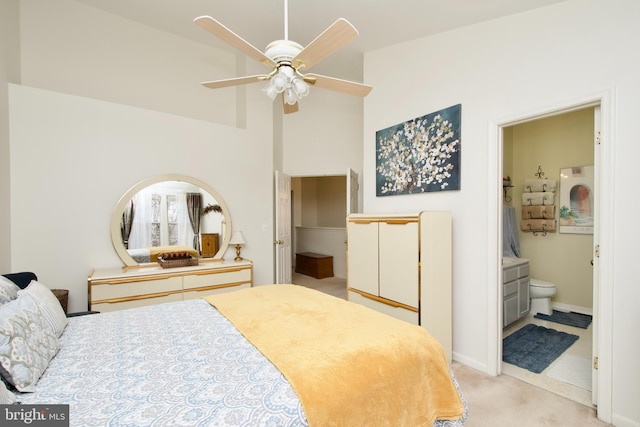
{"x": 515, "y": 279}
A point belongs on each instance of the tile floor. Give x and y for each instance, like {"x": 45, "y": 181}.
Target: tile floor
{"x": 570, "y": 374}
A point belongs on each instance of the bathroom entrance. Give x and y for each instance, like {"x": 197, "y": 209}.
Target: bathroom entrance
{"x": 553, "y": 255}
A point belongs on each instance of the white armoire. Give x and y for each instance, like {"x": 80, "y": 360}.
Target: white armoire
{"x": 400, "y": 265}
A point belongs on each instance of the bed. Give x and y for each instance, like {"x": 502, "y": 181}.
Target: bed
{"x": 205, "y": 362}
{"x": 151, "y": 254}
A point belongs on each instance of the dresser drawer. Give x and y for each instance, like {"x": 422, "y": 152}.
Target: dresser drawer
{"x": 116, "y": 290}
{"x": 203, "y": 292}
{"x": 223, "y": 277}
{"x": 133, "y": 302}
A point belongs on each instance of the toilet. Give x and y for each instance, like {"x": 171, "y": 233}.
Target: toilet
{"x": 540, "y": 293}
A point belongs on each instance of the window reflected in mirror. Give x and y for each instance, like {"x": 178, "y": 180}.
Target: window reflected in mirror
{"x": 169, "y": 215}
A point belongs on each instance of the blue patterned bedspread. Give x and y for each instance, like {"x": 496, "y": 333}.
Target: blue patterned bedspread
{"x": 178, "y": 364}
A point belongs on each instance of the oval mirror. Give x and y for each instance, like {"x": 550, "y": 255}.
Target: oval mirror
{"x": 159, "y": 215}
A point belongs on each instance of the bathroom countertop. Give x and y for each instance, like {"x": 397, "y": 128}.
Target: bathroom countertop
{"x": 510, "y": 262}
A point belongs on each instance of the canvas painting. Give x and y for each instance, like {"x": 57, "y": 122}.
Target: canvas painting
{"x": 421, "y": 155}
{"x": 576, "y": 200}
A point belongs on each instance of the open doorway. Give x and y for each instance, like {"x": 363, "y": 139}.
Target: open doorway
{"x": 535, "y": 151}
{"x": 318, "y": 229}
{"x": 319, "y": 218}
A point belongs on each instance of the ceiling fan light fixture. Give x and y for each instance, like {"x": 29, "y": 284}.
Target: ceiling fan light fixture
{"x": 279, "y": 82}
{"x": 301, "y": 88}
{"x": 289, "y": 83}
{"x": 290, "y": 97}
{"x": 271, "y": 92}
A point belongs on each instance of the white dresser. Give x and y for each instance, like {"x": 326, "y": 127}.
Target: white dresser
{"x": 401, "y": 265}
{"x": 118, "y": 289}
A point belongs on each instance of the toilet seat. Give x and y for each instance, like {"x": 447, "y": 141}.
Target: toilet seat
{"x": 541, "y": 283}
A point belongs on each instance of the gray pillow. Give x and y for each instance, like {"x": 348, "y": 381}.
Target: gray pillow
{"x": 8, "y": 290}
{"x": 27, "y": 342}
{"x": 49, "y": 304}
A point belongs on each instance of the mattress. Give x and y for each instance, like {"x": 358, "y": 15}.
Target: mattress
{"x": 157, "y": 365}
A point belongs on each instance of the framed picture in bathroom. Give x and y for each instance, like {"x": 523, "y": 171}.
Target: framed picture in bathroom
{"x": 576, "y": 200}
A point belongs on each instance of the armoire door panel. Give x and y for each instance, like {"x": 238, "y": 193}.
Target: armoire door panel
{"x": 399, "y": 256}
{"x": 362, "y": 257}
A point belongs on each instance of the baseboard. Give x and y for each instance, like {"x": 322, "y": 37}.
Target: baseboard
{"x": 620, "y": 421}
{"x": 568, "y": 307}
{"x": 472, "y": 363}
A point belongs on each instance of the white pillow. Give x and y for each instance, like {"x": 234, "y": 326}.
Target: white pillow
{"x": 6, "y": 397}
{"x": 27, "y": 342}
{"x": 49, "y": 304}
{"x": 8, "y": 290}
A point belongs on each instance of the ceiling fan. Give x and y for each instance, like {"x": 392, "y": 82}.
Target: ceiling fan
{"x": 288, "y": 60}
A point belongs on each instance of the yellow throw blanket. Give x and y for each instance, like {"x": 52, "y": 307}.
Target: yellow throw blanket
{"x": 349, "y": 365}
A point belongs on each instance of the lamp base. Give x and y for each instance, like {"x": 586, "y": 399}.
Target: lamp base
{"x": 238, "y": 257}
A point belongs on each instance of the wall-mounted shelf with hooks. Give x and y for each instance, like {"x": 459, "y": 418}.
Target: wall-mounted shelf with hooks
{"x": 506, "y": 188}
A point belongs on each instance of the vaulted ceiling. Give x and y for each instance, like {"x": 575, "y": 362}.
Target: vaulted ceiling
{"x": 381, "y": 23}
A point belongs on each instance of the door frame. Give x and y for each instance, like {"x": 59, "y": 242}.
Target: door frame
{"x": 603, "y": 295}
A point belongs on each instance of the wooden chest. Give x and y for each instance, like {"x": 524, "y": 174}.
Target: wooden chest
{"x": 314, "y": 265}
{"x": 209, "y": 244}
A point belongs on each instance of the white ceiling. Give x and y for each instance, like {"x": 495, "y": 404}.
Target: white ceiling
{"x": 380, "y": 23}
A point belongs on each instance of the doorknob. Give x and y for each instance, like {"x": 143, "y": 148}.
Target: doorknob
{"x": 278, "y": 242}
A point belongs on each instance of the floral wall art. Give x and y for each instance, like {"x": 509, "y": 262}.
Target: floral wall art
{"x": 420, "y": 155}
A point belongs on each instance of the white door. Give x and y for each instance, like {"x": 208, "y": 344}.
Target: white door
{"x": 352, "y": 191}
{"x": 282, "y": 240}
{"x": 595, "y": 263}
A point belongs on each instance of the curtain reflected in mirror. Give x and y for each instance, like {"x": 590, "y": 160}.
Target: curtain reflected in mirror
{"x": 168, "y": 216}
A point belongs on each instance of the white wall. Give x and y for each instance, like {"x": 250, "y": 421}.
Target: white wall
{"x": 509, "y": 68}
{"x": 86, "y": 51}
{"x": 325, "y": 136}
{"x": 73, "y": 158}
{"x": 9, "y": 72}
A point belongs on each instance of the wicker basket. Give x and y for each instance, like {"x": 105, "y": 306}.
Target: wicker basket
{"x": 183, "y": 262}
{"x": 63, "y": 297}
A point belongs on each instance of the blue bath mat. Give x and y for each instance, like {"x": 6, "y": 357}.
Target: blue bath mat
{"x": 535, "y": 347}
{"x": 572, "y": 319}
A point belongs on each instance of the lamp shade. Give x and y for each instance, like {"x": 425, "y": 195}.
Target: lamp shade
{"x": 237, "y": 238}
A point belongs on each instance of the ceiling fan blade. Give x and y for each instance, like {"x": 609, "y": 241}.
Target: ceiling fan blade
{"x": 333, "y": 38}
{"x": 216, "y": 84}
{"x": 339, "y": 85}
{"x": 232, "y": 39}
{"x": 287, "y": 108}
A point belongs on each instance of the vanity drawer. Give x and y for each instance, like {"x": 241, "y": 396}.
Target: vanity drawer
{"x": 117, "y": 289}
{"x": 509, "y": 274}
{"x": 523, "y": 270}
{"x": 231, "y": 276}
{"x": 510, "y": 288}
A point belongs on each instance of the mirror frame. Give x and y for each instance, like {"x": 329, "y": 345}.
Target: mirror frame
{"x": 116, "y": 216}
